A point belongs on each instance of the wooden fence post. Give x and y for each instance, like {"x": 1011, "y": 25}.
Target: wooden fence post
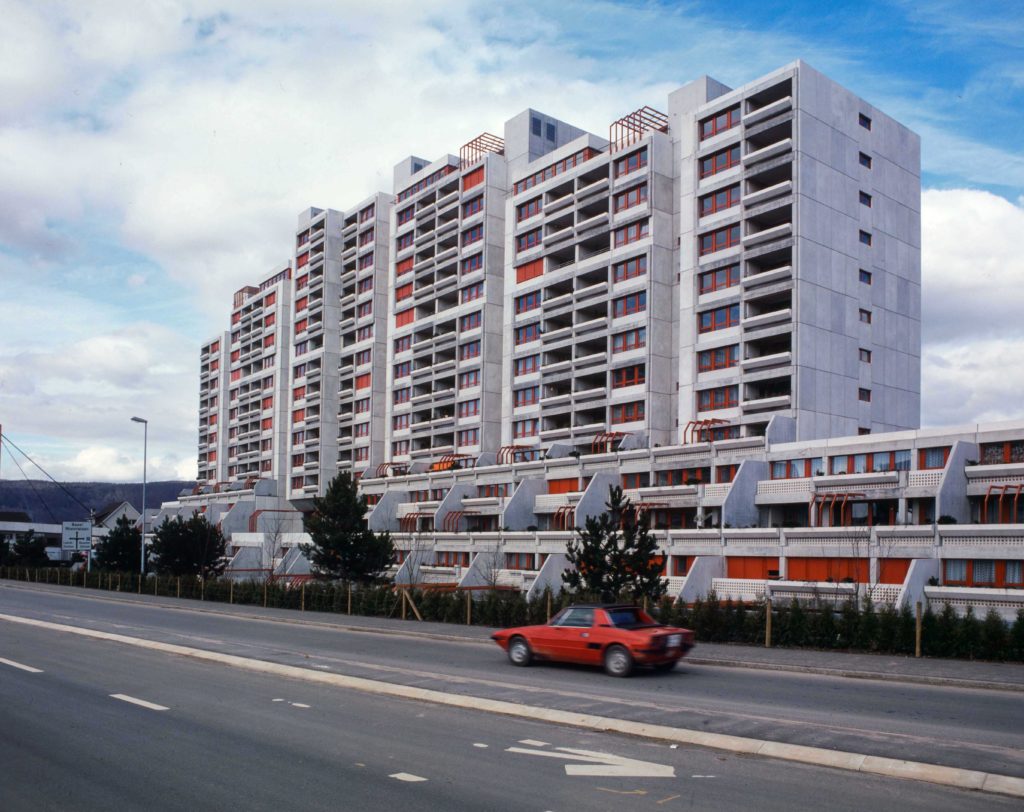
{"x": 917, "y": 629}
{"x": 264, "y": 593}
{"x": 302, "y": 603}
{"x": 403, "y": 604}
{"x": 768, "y": 623}
{"x": 350, "y": 597}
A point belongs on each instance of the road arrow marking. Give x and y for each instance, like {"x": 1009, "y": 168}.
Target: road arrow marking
{"x": 605, "y": 765}
{"x": 407, "y": 777}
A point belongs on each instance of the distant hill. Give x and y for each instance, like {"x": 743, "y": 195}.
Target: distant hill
{"x": 45, "y": 502}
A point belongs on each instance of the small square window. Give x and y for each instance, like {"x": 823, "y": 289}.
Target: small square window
{"x": 535, "y": 125}
{"x": 862, "y": 431}
{"x": 550, "y": 131}
{"x": 865, "y": 316}
{"x": 864, "y": 121}
{"x": 864, "y": 395}
{"x": 865, "y": 237}
{"x": 865, "y": 355}
{"x": 865, "y": 160}
{"x": 865, "y": 277}
{"x": 865, "y": 199}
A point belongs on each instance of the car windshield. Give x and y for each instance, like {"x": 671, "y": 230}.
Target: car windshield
{"x": 629, "y": 617}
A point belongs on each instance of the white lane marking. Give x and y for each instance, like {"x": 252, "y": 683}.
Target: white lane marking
{"x": 407, "y": 777}
{"x": 533, "y": 743}
{"x": 142, "y": 703}
{"x": 28, "y": 668}
{"x": 481, "y": 745}
{"x": 602, "y": 764}
{"x": 702, "y": 776}
{"x": 299, "y": 705}
{"x": 277, "y": 700}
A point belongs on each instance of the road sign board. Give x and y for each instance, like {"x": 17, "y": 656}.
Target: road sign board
{"x": 76, "y": 536}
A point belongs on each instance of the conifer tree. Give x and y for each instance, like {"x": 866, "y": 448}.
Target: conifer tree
{"x": 120, "y": 550}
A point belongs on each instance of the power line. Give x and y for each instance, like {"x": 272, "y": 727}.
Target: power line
{"x": 10, "y": 442}
{"x": 32, "y": 486}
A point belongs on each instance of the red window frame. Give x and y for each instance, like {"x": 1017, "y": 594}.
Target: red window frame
{"x": 473, "y": 263}
{"x": 631, "y": 233}
{"x": 528, "y": 301}
{"x": 719, "y": 201}
{"x": 468, "y": 437}
{"x": 718, "y": 319}
{"x": 629, "y": 340}
{"x": 468, "y": 408}
{"x": 631, "y": 163}
{"x": 403, "y": 291}
{"x": 529, "y": 209}
{"x": 471, "y": 207}
{"x": 531, "y": 239}
{"x": 629, "y": 304}
{"x": 719, "y": 239}
{"x": 406, "y": 214}
{"x": 719, "y": 123}
{"x": 471, "y": 349}
{"x": 470, "y": 321}
{"x": 471, "y": 292}
{"x": 527, "y": 396}
{"x": 401, "y": 395}
{"x": 720, "y": 279}
{"x": 628, "y": 412}
{"x": 629, "y": 376}
{"x": 526, "y": 366}
{"x": 525, "y": 428}
{"x": 629, "y": 269}
{"x": 718, "y": 358}
{"x": 403, "y": 344}
{"x": 527, "y": 333}
{"x": 472, "y": 235}
{"x": 402, "y": 370}
{"x": 721, "y": 397}
{"x": 630, "y": 198}
{"x": 405, "y": 241}
{"x": 400, "y": 422}
{"x": 467, "y": 380}
{"x": 720, "y": 161}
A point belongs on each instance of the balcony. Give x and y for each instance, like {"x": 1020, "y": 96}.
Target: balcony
{"x": 768, "y": 110}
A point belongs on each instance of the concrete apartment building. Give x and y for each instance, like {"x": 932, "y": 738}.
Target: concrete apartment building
{"x": 716, "y": 307}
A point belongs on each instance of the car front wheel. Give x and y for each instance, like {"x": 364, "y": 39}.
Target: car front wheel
{"x": 519, "y": 652}
{"x": 618, "y": 662}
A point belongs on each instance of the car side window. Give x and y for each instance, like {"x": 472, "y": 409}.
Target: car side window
{"x": 578, "y": 617}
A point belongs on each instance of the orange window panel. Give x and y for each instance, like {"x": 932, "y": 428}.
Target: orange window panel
{"x": 474, "y": 178}
{"x": 827, "y": 569}
{"x": 362, "y": 381}
{"x": 753, "y": 567}
{"x": 531, "y": 270}
{"x": 893, "y": 570}
{"x": 403, "y": 292}
{"x": 405, "y": 317}
{"x": 404, "y": 266}
{"x": 563, "y": 485}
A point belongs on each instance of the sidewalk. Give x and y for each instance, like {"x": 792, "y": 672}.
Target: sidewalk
{"x": 928, "y": 671}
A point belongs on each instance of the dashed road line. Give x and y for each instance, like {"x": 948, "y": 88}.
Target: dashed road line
{"x": 21, "y": 666}
{"x": 413, "y": 779}
{"x": 142, "y": 703}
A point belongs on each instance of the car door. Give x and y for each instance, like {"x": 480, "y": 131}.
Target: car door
{"x": 573, "y": 641}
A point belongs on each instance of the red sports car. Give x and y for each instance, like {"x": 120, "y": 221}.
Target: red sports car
{"x": 617, "y": 637}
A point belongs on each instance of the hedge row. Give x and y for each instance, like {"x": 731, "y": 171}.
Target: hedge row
{"x": 821, "y": 625}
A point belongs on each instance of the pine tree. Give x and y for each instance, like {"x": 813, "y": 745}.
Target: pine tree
{"x": 120, "y": 551}
{"x": 614, "y": 552}
{"x": 29, "y": 551}
{"x": 342, "y": 545}
{"x": 192, "y": 547}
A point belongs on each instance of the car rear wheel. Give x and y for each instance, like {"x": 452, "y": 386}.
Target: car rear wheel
{"x": 618, "y": 662}
{"x": 519, "y": 652}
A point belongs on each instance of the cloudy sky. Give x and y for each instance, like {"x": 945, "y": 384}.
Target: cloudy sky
{"x": 155, "y": 153}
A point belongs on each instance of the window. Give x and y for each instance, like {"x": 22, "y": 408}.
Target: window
{"x": 361, "y": 405}
{"x": 406, "y": 214}
{"x": 400, "y": 448}
{"x": 864, "y": 121}
{"x": 629, "y": 340}
{"x": 535, "y": 125}
{"x": 527, "y": 302}
{"x": 636, "y": 480}
{"x": 403, "y": 292}
{"x": 529, "y": 209}
{"x": 627, "y": 412}
{"x": 300, "y": 304}
{"x": 718, "y": 319}
{"x": 720, "y": 201}
{"x": 405, "y": 241}
{"x": 301, "y": 325}
{"x": 865, "y": 199}
{"x": 631, "y": 163}
{"x": 400, "y": 422}
{"x": 525, "y": 428}
{"x": 864, "y": 276}
{"x": 865, "y": 160}
{"x": 365, "y": 309}
{"x": 527, "y": 365}
{"x": 723, "y": 397}
{"x": 297, "y": 417}
{"x": 469, "y": 379}
{"x": 471, "y": 292}
{"x": 984, "y": 573}
{"x": 627, "y": 305}
{"x": 721, "y": 279}
{"x": 366, "y": 214}
{"x": 404, "y": 266}
{"x": 637, "y": 266}
{"x": 531, "y": 270}
{"x": 629, "y": 376}
{"x": 472, "y": 235}
{"x": 403, "y": 344}
{"x": 471, "y": 349}
{"x": 720, "y": 161}
{"x": 527, "y": 333}
{"x": 631, "y": 233}
{"x": 719, "y": 239}
{"x": 797, "y": 469}
{"x": 403, "y": 370}
{"x": 473, "y": 178}
{"x": 404, "y": 317}
{"x": 864, "y": 395}
{"x": 298, "y": 393}
{"x": 473, "y": 263}
{"x": 1002, "y": 452}
{"x": 865, "y": 237}
{"x": 555, "y": 169}
{"x": 865, "y": 316}
{"x": 366, "y": 237}
{"x": 365, "y": 261}
{"x": 865, "y": 355}
{"x": 361, "y": 430}
{"x": 402, "y": 395}
{"x": 361, "y": 454}
{"x": 471, "y": 207}
{"x": 526, "y": 397}
{"x": 933, "y": 457}
{"x": 630, "y": 197}
{"x": 531, "y": 239}
{"x": 721, "y": 358}
{"x": 467, "y": 437}
{"x": 470, "y": 321}
{"x": 365, "y": 285}
{"x": 720, "y": 122}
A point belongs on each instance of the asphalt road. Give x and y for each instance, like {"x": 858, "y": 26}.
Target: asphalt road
{"x": 75, "y": 736}
{"x": 952, "y": 726}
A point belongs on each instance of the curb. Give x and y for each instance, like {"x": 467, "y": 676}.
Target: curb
{"x": 825, "y": 671}
{"x": 817, "y": 756}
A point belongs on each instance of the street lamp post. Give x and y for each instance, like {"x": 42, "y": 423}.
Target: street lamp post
{"x": 145, "y": 446}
